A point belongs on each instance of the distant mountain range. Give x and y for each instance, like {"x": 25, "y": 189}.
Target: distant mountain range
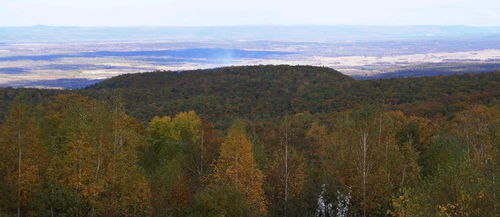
{"x": 274, "y": 33}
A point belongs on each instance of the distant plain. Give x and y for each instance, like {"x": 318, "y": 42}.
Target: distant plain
{"x": 72, "y": 57}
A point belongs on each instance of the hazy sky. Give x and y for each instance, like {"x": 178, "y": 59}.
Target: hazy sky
{"x": 249, "y": 12}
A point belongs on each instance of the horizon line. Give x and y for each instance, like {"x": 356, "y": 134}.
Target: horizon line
{"x": 253, "y": 25}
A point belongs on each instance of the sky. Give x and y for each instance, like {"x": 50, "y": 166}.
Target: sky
{"x": 249, "y": 12}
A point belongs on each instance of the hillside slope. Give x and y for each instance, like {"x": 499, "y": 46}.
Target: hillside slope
{"x": 232, "y": 91}
{"x": 271, "y": 91}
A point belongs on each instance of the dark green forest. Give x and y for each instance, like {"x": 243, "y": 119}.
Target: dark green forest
{"x": 254, "y": 141}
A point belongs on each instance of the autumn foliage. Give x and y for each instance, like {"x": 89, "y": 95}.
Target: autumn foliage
{"x": 409, "y": 155}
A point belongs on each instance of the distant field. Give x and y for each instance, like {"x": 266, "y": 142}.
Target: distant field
{"x": 436, "y": 69}
{"x": 12, "y": 70}
{"x": 213, "y": 54}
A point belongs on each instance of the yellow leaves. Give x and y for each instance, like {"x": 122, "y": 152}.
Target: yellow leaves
{"x": 404, "y": 199}
{"x": 397, "y": 210}
{"x": 464, "y": 205}
{"x": 77, "y": 168}
{"x": 163, "y": 127}
{"x": 92, "y": 191}
{"x": 477, "y": 127}
{"x": 400, "y": 206}
{"x": 21, "y": 152}
{"x": 184, "y": 126}
{"x": 236, "y": 167}
{"x": 442, "y": 208}
{"x": 97, "y": 156}
{"x": 481, "y": 195}
{"x": 450, "y": 210}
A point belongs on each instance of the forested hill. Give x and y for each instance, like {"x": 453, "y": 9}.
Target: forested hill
{"x": 230, "y": 78}
{"x": 261, "y": 92}
{"x": 248, "y": 91}
{"x": 270, "y": 91}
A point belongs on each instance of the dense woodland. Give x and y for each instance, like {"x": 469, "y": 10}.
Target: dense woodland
{"x": 291, "y": 141}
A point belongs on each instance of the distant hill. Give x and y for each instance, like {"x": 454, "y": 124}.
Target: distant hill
{"x": 300, "y": 33}
{"x": 435, "y": 69}
{"x": 227, "y": 77}
{"x": 237, "y": 91}
{"x": 75, "y": 83}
